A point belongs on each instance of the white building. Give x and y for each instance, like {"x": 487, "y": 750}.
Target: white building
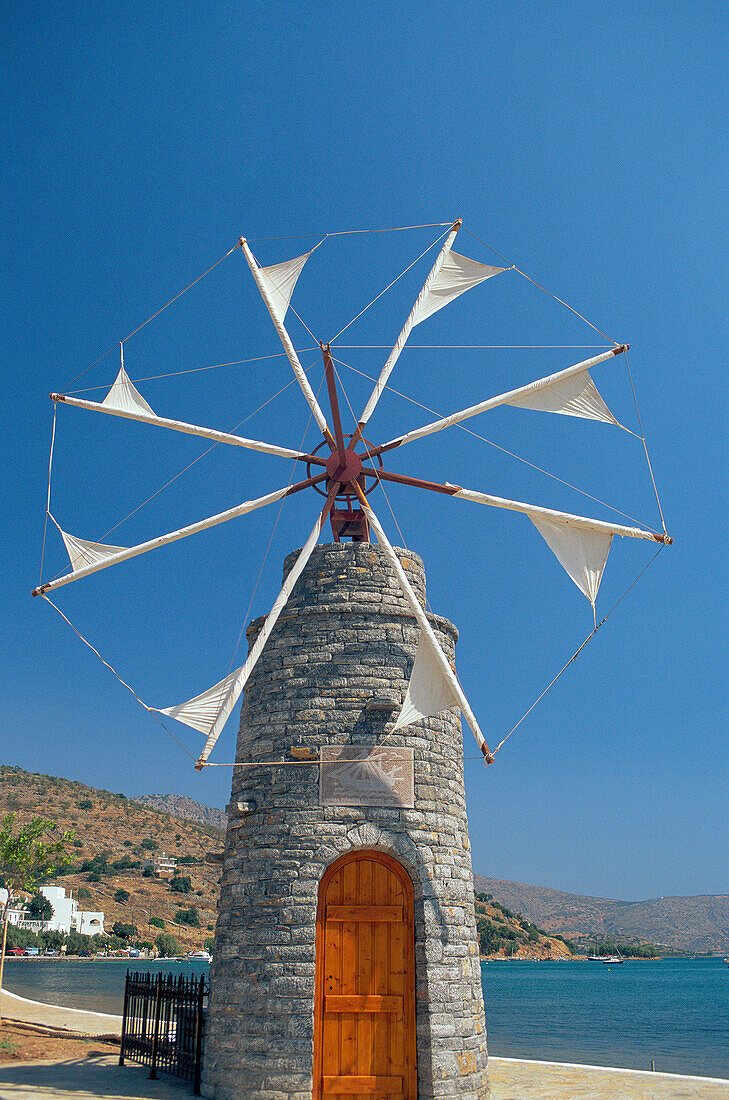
{"x": 161, "y": 864}
{"x": 67, "y": 917}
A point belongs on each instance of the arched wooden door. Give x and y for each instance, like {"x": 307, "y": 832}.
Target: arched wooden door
{"x": 364, "y": 1026}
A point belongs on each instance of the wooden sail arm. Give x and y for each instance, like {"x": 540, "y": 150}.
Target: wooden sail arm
{"x": 406, "y": 330}
{"x": 288, "y": 347}
{"x": 500, "y": 399}
{"x": 424, "y": 624}
{"x": 191, "y": 429}
{"x": 334, "y": 405}
{"x": 535, "y": 510}
{"x": 174, "y": 536}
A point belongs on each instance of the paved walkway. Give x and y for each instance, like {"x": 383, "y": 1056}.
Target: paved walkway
{"x": 72, "y": 1019}
{"x": 513, "y": 1079}
{"x": 103, "y": 1079}
{"x": 93, "y": 1079}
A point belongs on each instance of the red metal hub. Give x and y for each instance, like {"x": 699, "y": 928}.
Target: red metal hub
{"x": 346, "y": 473}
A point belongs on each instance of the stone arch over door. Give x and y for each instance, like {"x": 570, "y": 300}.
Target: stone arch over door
{"x": 364, "y": 1007}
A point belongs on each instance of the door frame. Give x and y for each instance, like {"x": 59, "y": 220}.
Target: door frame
{"x": 409, "y": 1023}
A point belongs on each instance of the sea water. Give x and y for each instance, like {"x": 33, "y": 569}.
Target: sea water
{"x": 675, "y": 1012}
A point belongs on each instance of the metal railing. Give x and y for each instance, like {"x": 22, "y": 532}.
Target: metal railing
{"x": 163, "y": 1023}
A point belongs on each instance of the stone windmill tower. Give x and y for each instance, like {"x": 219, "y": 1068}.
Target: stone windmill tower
{"x": 346, "y": 949}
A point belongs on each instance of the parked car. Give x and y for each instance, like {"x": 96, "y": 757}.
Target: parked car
{"x": 16, "y": 951}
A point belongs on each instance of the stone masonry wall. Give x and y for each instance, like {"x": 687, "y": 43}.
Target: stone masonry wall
{"x": 345, "y": 639}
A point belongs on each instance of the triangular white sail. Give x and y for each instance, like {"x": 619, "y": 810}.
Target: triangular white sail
{"x": 210, "y": 708}
{"x": 576, "y": 395}
{"x": 280, "y": 280}
{"x": 457, "y": 275}
{"x": 429, "y": 692}
{"x": 582, "y": 553}
{"x": 83, "y": 553}
{"x": 124, "y": 397}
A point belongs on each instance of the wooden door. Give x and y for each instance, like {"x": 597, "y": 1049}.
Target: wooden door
{"x": 364, "y": 1023}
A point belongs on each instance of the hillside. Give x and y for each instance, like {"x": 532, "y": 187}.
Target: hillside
{"x": 503, "y": 934}
{"x": 692, "y": 924}
{"x": 121, "y": 829}
{"x": 178, "y": 805}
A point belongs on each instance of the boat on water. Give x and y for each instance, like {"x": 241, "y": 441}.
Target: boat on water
{"x": 613, "y": 959}
{"x": 199, "y": 956}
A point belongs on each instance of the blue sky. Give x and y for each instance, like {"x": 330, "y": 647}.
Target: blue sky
{"x": 584, "y": 142}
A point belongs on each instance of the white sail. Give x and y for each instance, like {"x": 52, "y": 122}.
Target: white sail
{"x": 429, "y": 692}
{"x": 407, "y": 328}
{"x": 83, "y": 553}
{"x": 280, "y": 280}
{"x": 583, "y": 554}
{"x": 121, "y": 553}
{"x": 457, "y": 275}
{"x": 273, "y": 305}
{"x": 573, "y": 396}
{"x": 211, "y": 707}
{"x": 124, "y": 397}
{"x": 553, "y": 393}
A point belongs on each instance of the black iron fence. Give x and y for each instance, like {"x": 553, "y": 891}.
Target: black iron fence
{"x": 163, "y": 1024}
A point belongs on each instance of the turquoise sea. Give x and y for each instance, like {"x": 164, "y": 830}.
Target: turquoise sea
{"x": 675, "y": 1011}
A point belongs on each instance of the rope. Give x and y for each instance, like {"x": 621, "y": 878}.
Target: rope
{"x": 496, "y": 446}
{"x": 575, "y": 655}
{"x": 48, "y": 497}
{"x": 388, "y": 287}
{"x": 645, "y": 445}
{"x": 116, "y": 674}
{"x": 349, "y": 232}
{"x": 472, "y": 347}
{"x": 191, "y": 285}
{"x": 538, "y": 285}
{"x": 193, "y": 370}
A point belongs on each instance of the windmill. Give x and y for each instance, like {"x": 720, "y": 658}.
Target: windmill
{"x": 346, "y": 468}
{"x": 347, "y": 882}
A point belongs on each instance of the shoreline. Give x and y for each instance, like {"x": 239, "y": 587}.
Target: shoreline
{"x": 86, "y": 1021}
{"x": 79, "y": 1020}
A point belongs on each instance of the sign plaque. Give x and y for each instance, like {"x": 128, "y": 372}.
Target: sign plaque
{"x": 366, "y": 775}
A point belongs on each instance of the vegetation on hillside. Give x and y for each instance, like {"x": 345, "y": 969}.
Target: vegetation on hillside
{"x": 114, "y": 837}
{"x": 503, "y": 934}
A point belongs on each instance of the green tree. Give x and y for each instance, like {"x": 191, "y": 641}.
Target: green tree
{"x": 167, "y": 945}
{"x": 121, "y": 896}
{"x": 181, "y": 884}
{"x": 189, "y": 916}
{"x": 149, "y": 844}
{"x": 124, "y": 931}
{"x": 25, "y": 856}
{"x": 39, "y": 908}
{"x": 157, "y": 922}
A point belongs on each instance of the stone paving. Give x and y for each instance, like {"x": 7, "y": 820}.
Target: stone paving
{"x": 103, "y": 1079}
{"x": 519, "y": 1080}
{"x": 92, "y": 1079}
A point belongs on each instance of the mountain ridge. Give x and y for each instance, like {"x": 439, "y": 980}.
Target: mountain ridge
{"x": 693, "y": 923}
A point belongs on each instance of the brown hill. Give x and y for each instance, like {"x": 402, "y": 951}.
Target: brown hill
{"x": 120, "y": 828}
{"x": 691, "y": 924}
{"x": 178, "y": 805}
{"x": 503, "y": 934}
